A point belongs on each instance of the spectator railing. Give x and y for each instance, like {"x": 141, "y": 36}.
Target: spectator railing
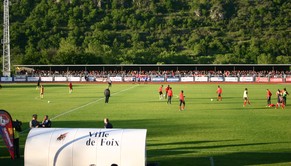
{"x": 166, "y": 77}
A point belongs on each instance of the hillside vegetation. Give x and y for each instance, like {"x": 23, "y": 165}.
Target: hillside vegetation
{"x": 150, "y": 31}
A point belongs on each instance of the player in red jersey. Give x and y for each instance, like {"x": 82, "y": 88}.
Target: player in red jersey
{"x": 170, "y": 95}
{"x": 219, "y": 92}
{"x": 166, "y": 91}
{"x": 268, "y": 95}
{"x": 182, "y": 101}
{"x": 161, "y": 92}
{"x": 70, "y": 87}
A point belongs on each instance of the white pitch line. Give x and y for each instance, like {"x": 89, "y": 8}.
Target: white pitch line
{"x": 211, "y": 161}
{"x": 92, "y": 102}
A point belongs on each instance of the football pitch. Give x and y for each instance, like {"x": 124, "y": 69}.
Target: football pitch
{"x": 206, "y": 133}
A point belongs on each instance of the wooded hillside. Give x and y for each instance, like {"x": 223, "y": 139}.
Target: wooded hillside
{"x": 149, "y": 31}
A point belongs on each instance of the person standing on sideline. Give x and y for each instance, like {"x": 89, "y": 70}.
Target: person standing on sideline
{"x": 107, "y": 124}
{"x": 109, "y": 83}
{"x": 269, "y": 95}
{"x": 219, "y": 92}
{"x": 170, "y": 95}
{"x": 34, "y": 123}
{"x": 70, "y": 87}
{"x": 38, "y": 83}
{"x": 161, "y": 92}
{"x": 17, "y": 128}
{"x": 41, "y": 91}
{"x": 46, "y": 122}
{"x": 107, "y": 95}
{"x": 246, "y": 97}
{"x": 182, "y": 101}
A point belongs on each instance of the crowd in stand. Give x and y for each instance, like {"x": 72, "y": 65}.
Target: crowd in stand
{"x": 184, "y": 73}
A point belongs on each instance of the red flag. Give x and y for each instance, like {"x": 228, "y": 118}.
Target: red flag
{"x": 6, "y": 131}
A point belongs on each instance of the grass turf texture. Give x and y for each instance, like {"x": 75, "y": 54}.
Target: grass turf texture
{"x": 224, "y": 133}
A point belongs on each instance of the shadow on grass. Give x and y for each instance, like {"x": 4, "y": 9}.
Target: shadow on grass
{"x": 237, "y": 159}
{"x": 30, "y": 85}
{"x": 176, "y": 153}
{"x": 176, "y": 156}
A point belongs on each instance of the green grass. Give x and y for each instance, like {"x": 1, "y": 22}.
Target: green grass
{"x": 225, "y": 132}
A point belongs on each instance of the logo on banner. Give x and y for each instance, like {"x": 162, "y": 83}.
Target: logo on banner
{"x": 62, "y": 137}
{"x": 4, "y": 120}
{"x": 6, "y": 131}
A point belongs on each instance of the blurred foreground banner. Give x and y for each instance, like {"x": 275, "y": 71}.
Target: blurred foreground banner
{"x": 6, "y": 131}
{"x": 85, "y": 147}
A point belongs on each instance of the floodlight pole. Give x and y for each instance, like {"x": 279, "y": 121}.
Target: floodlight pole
{"x": 6, "y": 40}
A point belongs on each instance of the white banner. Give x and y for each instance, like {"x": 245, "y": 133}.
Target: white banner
{"x": 231, "y": 79}
{"x": 83, "y": 79}
{"x": 158, "y": 79}
{"x": 60, "y": 78}
{"x": 47, "y": 79}
{"x": 116, "y": 79}
{"x": 187, "y": 79}
{"x": 73, "y": 78}
{"x": 216, "y": 79}
{"x": 100, "y": 79}
{"x": 85, "y": 147}
{"x": 246, "y": 79}
{"x": 201, "y": 79}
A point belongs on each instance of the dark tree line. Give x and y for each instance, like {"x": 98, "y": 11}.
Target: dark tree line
{"x": 149, "y": 31}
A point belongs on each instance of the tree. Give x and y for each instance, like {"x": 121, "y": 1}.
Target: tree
{"x": 265, "y": 59}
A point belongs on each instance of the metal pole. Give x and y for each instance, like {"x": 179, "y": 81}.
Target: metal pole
{"x": 6, "y": 41}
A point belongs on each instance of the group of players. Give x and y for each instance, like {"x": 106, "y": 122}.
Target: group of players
{"x": 169, "y": 95}
{"x": 280, "y": 94}
{"x": 281, "y": 98}
{"x": 41, "y": 88}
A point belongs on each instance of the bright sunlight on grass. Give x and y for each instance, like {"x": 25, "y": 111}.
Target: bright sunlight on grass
{"x": 206, "y": 132}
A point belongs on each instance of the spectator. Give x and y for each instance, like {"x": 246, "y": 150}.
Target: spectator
{"x": 46, "y": 122}
{"x": 17, "y": 128}
{"x": 109, "y": 83}
{"x": 34, "y": 123}
{"x": 107, "y": 124}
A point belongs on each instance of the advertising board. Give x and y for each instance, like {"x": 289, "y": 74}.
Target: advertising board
{"x": 201, "y": 79}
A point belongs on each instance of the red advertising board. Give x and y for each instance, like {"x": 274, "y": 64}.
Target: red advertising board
{"x": 288, "y": 79}
{"x": 276, "y": 79}
{"x": 262, "y": 79}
